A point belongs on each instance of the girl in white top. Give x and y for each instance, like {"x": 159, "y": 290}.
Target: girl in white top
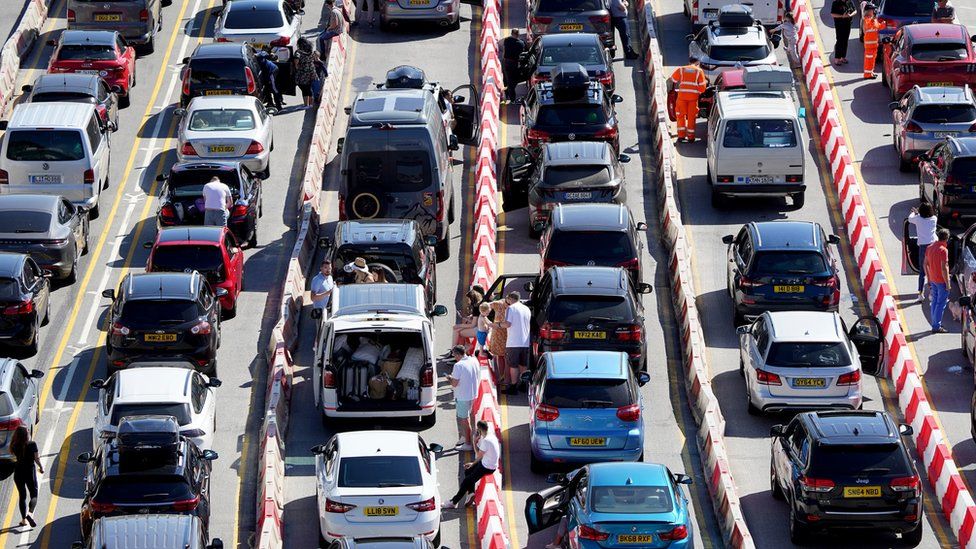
{"x": 925, "y": 222}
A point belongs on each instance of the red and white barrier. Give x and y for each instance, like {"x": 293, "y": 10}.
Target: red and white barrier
{"x": 933, "y": 448}
{"x": 704, "y": 404}
{"x": 17, "y": 46}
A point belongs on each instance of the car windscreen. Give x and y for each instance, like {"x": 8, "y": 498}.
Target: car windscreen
{"x": 9, "y": 291}
{"x": 177, "y": 259}
{"x": 939, "y": 51}
{"x": 759, "y": 134}
{"x": 159, "y": 312}
{"x": 393, "y": 171}
{"x": 379, "y": 472}
{"x": 584, "y": 54}
{"x": 944, "y": 114}
{"x": 793, "y": 263}
{"x": 631, "y": 499}
{"x": 397, "y": 257}
{"x": 739, "y": 53}
{"x": 832, "y": 460}
{"x": 62, "y": 97}
{"x": 564, "y": 117}
{"x": 221, "y": 120}
{"x": 581, "y": 176}
{"x": 603, "y": 248}
{"x": 179, "y": 411}
{"x": 143, "y": 489}
{"x": 575, "y": 309}
{"x": 571, "y": 5}
{"x": 24, "y": 222}
{"x": 189, "y": 183}
{"x": 51, "y": 145}
{"x": 808, "y": 355}
{"x": 964, "y": 170}
{"x": 249, "y": 17}
{"x": 211, "y": 73}
{"x": 908, "y": 8}
{"x": 86, "y": 52}
{"x": 587, "y": 393}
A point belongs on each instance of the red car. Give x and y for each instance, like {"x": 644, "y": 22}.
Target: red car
{"x": 102, "y": 53}
{"x": 213, "y": 251}
{"x": 725, "y": 81}
{"x": 928, "y": 54}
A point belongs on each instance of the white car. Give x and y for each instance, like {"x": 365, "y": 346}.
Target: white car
{"x": 387, "y": 542}
{"x": 227, "y": 127}
{"x": 377, "y": 484}
{"x": 261, "y": 23}
{"x": 187, "y": 395}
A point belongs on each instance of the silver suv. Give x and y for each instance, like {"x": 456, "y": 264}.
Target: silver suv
{"x": 925, "y": 117}
{"x": 734, "y": 40}
{"x": 138, "y": 21}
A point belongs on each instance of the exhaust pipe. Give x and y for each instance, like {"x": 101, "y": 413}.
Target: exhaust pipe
{"x": 443, "y": 22}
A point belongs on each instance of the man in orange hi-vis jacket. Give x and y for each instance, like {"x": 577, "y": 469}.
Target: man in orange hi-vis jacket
{"x": 871, "y": 27}
{"x": 689, "y": 82}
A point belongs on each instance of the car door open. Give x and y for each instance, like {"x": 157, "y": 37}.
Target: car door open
{"x": 519, "y": 165}
{"x": 467, "y": 118}
{"x": 867, "y": 338}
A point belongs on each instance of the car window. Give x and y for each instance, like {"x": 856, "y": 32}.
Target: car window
{"x": 210, "y": 72}
{"x": 794, "y": 263}
{"x": 939, "y": 51}
{"x": 65, "y": 211}
{"x": 189, "y": 183}
{"x": 143, "y": 489}
{"x": 908, "y": 8}
{"x": 9, "y": 289}
{"x": 944, "y": 114}
{"x": 604, "y": 248}
{"x": 394, "y": 171}
{"x": 109, "y": 392}
{"x": 578, "y": 176}
{"x": 103, "y": 90}
{"x": 797, "y": 436}
{"x": 582, "y": 308}
{"x": 808, "y": 355}
{"x": 229, "y": 245}
{"x": 584, "y": 54}
{"x": 833, "y": 460}
{"x": 198, "y": 393}
{"x": 964, "y": 170}
{"x": 51, "y": 145}
{"x": 588, "y": 393}
{"x": 379, "y": 472}
{"x": 203, "y": 258}
{"x": 746, "y": 53}
{"x": 560, "y": 115}
{"x": 62, "y": 97}
{"x": 248, "y": 16}
{"x": 159, "y": 311}
{"x": 18, "y": 386}
{"x": 214, "y": 120}
{"x": 83, "y": 52}
{"x": 570, "y": 5}
{"x": 762, "y": 133}
{"x": 206, "y": 296}
{"x": 761, "y": 334}
{"x": 94, "y": 133}
{"x": 120, "y": 44}
{"x": 424, "y": 454}
{"x": 24, "y": 222}
{"x": 631, "y": 499}
{"x": 175, "y": 409}
{"x": 744, "y": 248}
{"x": 31, "y": 273}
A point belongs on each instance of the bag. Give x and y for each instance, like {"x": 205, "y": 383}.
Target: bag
{"x": 391, "y": 367}
{"x": 413, "y": 361}
{"x": 367, "y": 352}
{"x": 355, "y": 383}
{"x": 378, "y": 386}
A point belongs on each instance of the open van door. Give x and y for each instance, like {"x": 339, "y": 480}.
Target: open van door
{"x": 518, "y": 168}
{"x": 869, "y": 341}
{"x": 467, "y": 118}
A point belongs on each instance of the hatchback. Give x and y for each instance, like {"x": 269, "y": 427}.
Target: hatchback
{"x": 559, "y": 16}
{"x": 224, "y": 69}
{"x": 604, "y": 235}
{"x": 551, "y": 50}
{"x": 446, "y": 13}
{"x": 101, "y": 53}
{"x": 947, "y": 180}
{"x": 25, "y": 299}
{"x": 139, "y": 21}
{"x": 49, "y": 228}
{"x": 924, "y": 117}
{"x": 586, "y": 407}
{"x": 18, "y": 402}
{"x": 227, "y": 128}
{"x": 931, "y": 54}
{"x": 262, "y": 23}
{"x": 76, "y": 88}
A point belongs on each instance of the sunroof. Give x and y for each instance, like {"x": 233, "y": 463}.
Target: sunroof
{"x": 412, "y": 104}
{"x": 370, "y": 105}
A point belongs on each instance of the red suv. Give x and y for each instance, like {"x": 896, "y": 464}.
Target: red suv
{"x": 101, "y": 53}
{"x": 928, "y": 54}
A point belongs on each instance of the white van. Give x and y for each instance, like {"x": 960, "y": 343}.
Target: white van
{"x": 702, "y": 12}
{"x": 755, "y": 144}
{"x": 57, "y": 149}
{"x": 375, "y": 356}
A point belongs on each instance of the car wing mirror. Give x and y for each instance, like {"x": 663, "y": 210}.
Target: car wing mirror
{"x": 52, "y": 42}
{"x": 776, "y": 430}
{"x": 526, "y": 377}
{"x": 85, "y": 457}
{"x": 97, "y": 383}
{"x": 616, "y": 98}
{"x": 26, "y": 88}
{"x": 209, "y": 455}
{"x": 436, "y": 448}
{"x": 459, "y": 98}
{"x": 116, "y": 89}
{"x": 905, "y": 430}
{"x": 179, "y": 113}
{"x": 833, "y": 239}
{"x": 624, "y": 158}
{"x": 801, "y": 112}
{"x": 529, "y": 286}
{"x": 643, "y": 378}
{"x": 439, "y": 310}
{"x": 886, "y": 40}
{"x": 161, "y": 177}
{"x": 452, "y": 142}
{"x": 641, "y": 226}
{"x": 728, "y": 239}
{"x": 47, "y": 274}
{"x": 347, "y": 110}
{"x": 78, "y": 545}
{"x": 682, "y": 478}
{"x": 689, "y": 37}
{"x": 109, "y": 293}
{"x": 556, "y": 478}
{"x": 148, "y": 244}
{"x": 644, "y": 288}
{"x": 430, "y": 240}
{"x": 894, "y": 106}
{"x": 743, "y": 330}
{"x": 339, "y": 143}
{"x": 36, "y": 373}
{"x": 966, "y": 301}
{"x": 214, "y": 382}
{"x": 217, "y": 543}
{"x": 318, "y": 449}
{"x": 220, "y": 292}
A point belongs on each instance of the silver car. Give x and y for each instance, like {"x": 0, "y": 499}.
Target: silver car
{"x": 76, "y": 88}
{"x": 446, "y": 13}
{"x": 227, "y": 127}
{"x": 271, "y": 23}
{"x": 721, "y": 47}
{"x": 924, "y": 117}
{"x": 49, "y": 228}
{"x": 18, "y": 401}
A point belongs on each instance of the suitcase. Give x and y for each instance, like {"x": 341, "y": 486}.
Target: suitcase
{"x": 735, "y": 15}
{"x": 355, "y": 383}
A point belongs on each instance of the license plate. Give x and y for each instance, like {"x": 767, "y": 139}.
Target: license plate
{"x": 221, "y": 148}
{"x": 635, "y": 538}
{"x": 944, "y": 134}
{"x": 217, "y": 92}
{"x": 108, "y": 17}
{"x": 939, "y": 84}
{"x": 579, "y": 196}
{"x": 862, "y": 491}
{"x": 45, "y": 179}
{"x": 576, "y": 27}
{"x": 419, "y": 3}
{"x": 809, "y": 382}
{"x": 760, "y": 179}
{"x": 590, "y": 335}
{"x": 87, "y": 71}
{"x": 791, "y": 289}
{"x": 710, "y": 14}
{"x": 587, "y": 441}
{"x": 384, "y": 511}
{"x": 159, "y": 338}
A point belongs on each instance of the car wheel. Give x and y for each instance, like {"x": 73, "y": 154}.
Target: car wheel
{"x": 73, "y": 273}
{"x": 798, "y": 200}
{"x": 742, "y": 368}
{"x": 123, "y": 101}
{"x": 266, "y": 173}
{"x": 437, "y": 538}
{"x": 47, "y": 314}
{"x": 94, "y": 212}
{"x": 737, "y": 318}
{"x": 150, "y": 45}
{"x": 443, "y": 248}
{"x": 32, "y": 347}
{"x": 87, "y": 232}
{"x": 750, "y": 407}
{"x": 774, "y": 488}
{"x": 884, "y": 77}
{"x": 962, "y": 344}
{"x": 322, "y": 543}
{"x": 905, "y": 165}
{"x": 913, "y": 538}
{"x": 798, "y": 532}
{"x": 427, "y": 422}
{"x": 717, "y": 200}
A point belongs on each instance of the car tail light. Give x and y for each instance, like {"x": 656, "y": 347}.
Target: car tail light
{"x": 188, "y": 150}
{"x": 186, "y": 504}
{"x": 89, "y": 177}
{"x": 254, "y": 148}
{"x": 725, "y": 179}
{"x": 606, "y": 79}
{"x": 906, "y": 68}
{"x": 440, "y": 206}
{"x": 794, "y": 178}
{"x": 333, "y": 506}
{"x": 200, "y": 328}
{"x": 186, "y": 82}
{"x": 10, "y": 424}
{"x": 630, "y": 333}
{"x": 588, "y": 532}
{"x": 53, "y": 242}
{"x": 546, "y": 263}
{"x": 545, "y": 412}
{"x": 281, "y": 41}
{"x": 601, "y": 22}
{"x": 4, "y": 177}
{"x": 144, "y": 15}
{"x": 167, "y": 212}
{"x": 249, "y": 76}
{"x": 630, "y": 264}
{"x": 819, "y": 485}
{"x": 629, "y": 413}
{"x": 906, "y": 484}
{"x": 102, "y": 508}
{"x": 221, "y": 39}
{"x": 748, "y": 283}
{"x": 239, "y": 210}
{"x": 71, "y": 16}
{"x": 537, "y": 135}
{"x": 22, "y": 308}
{"x": 427, "y": 377}
{"x": 552, "y": 331}
{"x": 829, "y": 282}
{"x": 421, "y": 506}
{"x": 850, "y": 378}
{"x": 329, "y": 380}
{"x": 606, "y": 133}
{"x": 539, "y": 25}
{"x": 676, "y": 533}
{"x": 971, "y": 129}
{"x": 767, "y": 378}
{"x": 912, "y": 127}
{"x": 120, "y": 329}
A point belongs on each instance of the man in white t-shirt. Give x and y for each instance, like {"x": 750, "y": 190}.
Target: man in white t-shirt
{"x": 216, "y": 202}
{"x": 322, "y": 285}
{"x": 464, "y": 378}
{"x": 517, "y": 321}
{"x": 485, "y": 462}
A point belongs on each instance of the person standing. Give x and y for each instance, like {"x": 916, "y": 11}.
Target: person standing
{"x": 322, "y": 285}
{"x": 333, "y": 28}
{"x": 937, "y": 269}
{"x": 689, "y": 81}
{"x": 517, "y": 321}
{"x": 787, "y": 30}
{"x": 871, "y": 27}
{"x": 842, "y": 11}
{"x": 216, "y": 202}
{"x": 304, "y": 69}
{"x": 25, "y": 453}
{"x": 925, "y": 222}
{"x": 943, "y": 12}
{"x": 497, "y": 342}
{"x": 618, "y": 18}
{"x": 269, "y": 70}
{"x": 371, "y": 7}
{"x": 464, "y": 378}
{"x": 512, "y": 48}
{"x": 485, "y": 463}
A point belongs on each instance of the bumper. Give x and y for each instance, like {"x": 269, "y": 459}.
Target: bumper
{"x": 134, "y": 34}
{"x": 21, "y": 333}
{"x": 893, "y": 521}
{"x": 254, "y": 162}
{"x": 543, "y": 451}
{"x": 444, "y": 17}
{"x": 753, "y": 310}
{"x": 61, "y": 267}
{"x": 776, "y": 189}
{"x": 426, "y": 524}
{"x": 766, "y": 402}
{"x": 127, "y": 355}
{"x": 424, "y": 411}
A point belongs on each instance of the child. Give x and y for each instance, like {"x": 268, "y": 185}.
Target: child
{"x": 482, "y": 334}
{"x": 787, "y": 30}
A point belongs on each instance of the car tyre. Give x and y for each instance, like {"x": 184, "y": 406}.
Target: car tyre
{"x": 774, "y": 488}
{"x": 230, "y": 313}
{"x": 73, "y": 273}
{"x": 47, "y": 314}
{"x": 717, "y": 199}
{"x": 94, "y": 212}
{"x": 742, "y": 368}
{"x": 450, "y": 211}
{"x": 266, "y": 173}
{"x": 443, "y": 248}
{"x": 913, "y": 538}
{"x": 124, "y": 100}
{"x": 456, "y": 25}
{"x": 533, "y": 234}
{"x": 87, "y": 232}
{"x": 798, "y": 532}
{"x": 211, "y": 369}
{"x": 150, "y": 45}
{"x": 32, "y": 347}
{"x": 427, "y": 422}
{"x": 322, "y": 543}
{"x": 750, "y": 407}
{"x": 798, "y": 200}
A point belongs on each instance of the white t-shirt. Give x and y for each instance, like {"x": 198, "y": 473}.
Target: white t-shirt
{"x": 467, "y": 372}
{"x": 518, "y": 333}
{"x": 489, "y": 445}
{"x": 924, "y": 228}
{"x": 216, "y": 195}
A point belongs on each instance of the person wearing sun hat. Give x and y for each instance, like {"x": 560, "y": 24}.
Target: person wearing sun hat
{"x": 360, "y": 270}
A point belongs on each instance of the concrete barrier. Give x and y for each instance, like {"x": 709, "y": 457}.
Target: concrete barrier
{"x": 19, "y": 43}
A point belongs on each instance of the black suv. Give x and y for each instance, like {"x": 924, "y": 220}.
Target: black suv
{"x": 395, "y": 247}
{"x": 146, "y": 468}
{"x": 227, "y": 68}
{"x": 571, "y": 107}
{"x": 583, "y": 309}
{"x": 846, "y": 469}
{"x": 164, "y": 315}
{"x": 602, "y": 235}
{"x": 947, "y": 180}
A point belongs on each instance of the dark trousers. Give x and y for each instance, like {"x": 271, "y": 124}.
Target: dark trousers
{"x": 273, "y": 95}
{"x": 27, "y": 483}
{"x": 620, "y": 23}
{"x": 510, "y": 72}
{"x": 471, "y": 478}
{"x": 843, "y": 29}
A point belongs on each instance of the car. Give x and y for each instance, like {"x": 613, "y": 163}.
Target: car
{"x": 804, "y": 360}
{"x": 102, "y": 53}
{"x": 925, "y": 116}
{"x": 275, "y": 24}
{"x": 733, "y": 41}
{"x": 947, "y": 180}
{"x": 186, "y": 395}
{"x": 373, "y": 483}
{"x": 25, "y": 300}
{"x": 616, "y": 504}
{"x": 968, "y": 339}
{"x": 163, "y": 314}
{"x": 781, "y": 266}
{"x": 224, "y": 69}
{"x": 604, "y": 235}
{"x": 551, "y": 50}
{"x": 211, "y": 251}
{"x": 159, "y": 531}
{"x": 148, "y": 467}
{"x": 962, "y": 256}
{"x": 181, "y": 196}
{"x": 227, "y": 128}
{"x": 559, "y": 16}
{"x": 383, "y": 542}
{"x": 446, "y": 13}
{"x": 585, "y": 407}
{"x": 49, "y": 228}
{"x": 565, "y": 172}
{"x": 18, "y": 402}
{"x": 397, "y": 247}
{"x": 843, "y": 470}
{"x": 729, "y": 80}
{"x": 930, "y": 54}
{"x": 896, "y": 14}
{"x": 139, "y": 21}
{"x": 76, "y": 88}
{"x": 568, "y": 108}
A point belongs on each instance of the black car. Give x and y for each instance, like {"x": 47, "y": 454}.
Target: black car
{"x": 164, "y": 315}
{"x": 551, "y": 50}
{"x": 563, "y": 16}
{"x": 604, "y": 235}
{"x": 395, "y": 247}
{"x": 148, "y": 467}
{"x": 25, "y": 294}
{"x": 48, "y": 227}
{"x": 76, "y": 88}
{"x": 583, "y": 308}
{"x": 947, "y": 180}
{"x": 846, "y": 470}
{"x": 226, "y": 68}
{"x": 571, "y": 107}
{"x": 781, "y": 266}
{"x": 181, "y": 197}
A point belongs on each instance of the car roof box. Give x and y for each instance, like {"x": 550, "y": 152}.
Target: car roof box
{"x": 735, "y": 15}
{"x": 767, "y": 78}
{"x": 405, "y": 76}
{"x": 148, "y": 442}
{"x": 569, "y": 81}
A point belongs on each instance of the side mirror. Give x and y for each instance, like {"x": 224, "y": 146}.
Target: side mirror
{"x": 776, "y": 431}
{"x": 161, "y": 177}
{"x": 300, "y": 12}
{"x": 616, "y": 98}
{"x": 317, "y": 449}
{"x": 689, "y": 37}
{"x": 743, "y": 330}
{"x": 643, "y": 378}
{"x": 271, "y": 111}
{"x": 324, "y": 242}
{"x": 36, "y": 374}
{"x": 430, "y": 240}
{"x": 316, "y": 314}
{"x": 112, "y": 126}
{"x": 235, "y": 250}
{"x": 148, "y": 244}
{"x": 644, "y": 288}
{"x": 214, "y": 382}
{"x": 47, "y": 274}
{"x": 439, "y": 310}
{"x": 180, "y": 113}
{"x": 905, "y": 430}
{"x": 775, "y": 39}
{"x": 556, "y": 478}
{"x": 85, "y": 457}
{"x": 624, "y": 158}
{"x": 209, "y": 455}
{"x": 185, "y": 61}
{"x": 109, "y": 293}
{"x": 833, "y": 239}
{"x": 452, "y": 142}
{"x": 348, "y": 110}
{"x": 436, "y": 448}
{"x": 894, "y": 106}
{"x": 26, "y": 88}
{"x": 728, "y": 239}
{"x": 966, "y": 301}
{"x": 641, "y": 226}
{"x": 216, "y": 544}
{"x": 97, "y": 383}
{"x": 339, "y": 143}
{"x": 52, "y": 42}
{"x": 682, "y": 478}
{"x": 458, "y": 98}
{"x": 220, "y": 292}
{"x": 972, "y": 38}
{"x": 526, "y": 377}
{"x": 801, "y": 112}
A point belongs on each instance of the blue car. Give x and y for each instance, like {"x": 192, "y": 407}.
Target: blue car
{"x": 615, "y": 505}
{"x": 585, "y": 406}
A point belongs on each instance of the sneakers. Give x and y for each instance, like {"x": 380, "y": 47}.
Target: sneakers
{"x": 460, "y": 442}
{"x": 448, "y": 505}
{"x": 921, "y": 296}
{"x": 464, "y": 447}
{"x": 939, "y": 330}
